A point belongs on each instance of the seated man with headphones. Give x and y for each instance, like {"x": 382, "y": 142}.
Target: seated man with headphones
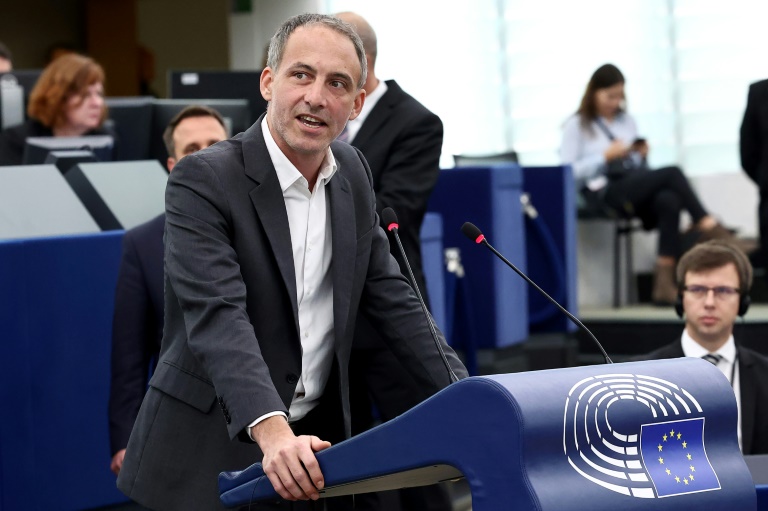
{"x": 714, "y": 279}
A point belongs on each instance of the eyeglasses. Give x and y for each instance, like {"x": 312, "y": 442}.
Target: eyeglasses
{"x": 721, "y": 292}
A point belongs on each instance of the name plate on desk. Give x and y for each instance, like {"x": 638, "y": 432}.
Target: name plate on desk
{"x": 657, "y": 435}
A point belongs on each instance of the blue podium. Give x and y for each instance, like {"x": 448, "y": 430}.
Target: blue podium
{"x": 657, "y": 435}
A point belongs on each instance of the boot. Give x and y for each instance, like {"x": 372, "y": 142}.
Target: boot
{"x": 664, "y": 286}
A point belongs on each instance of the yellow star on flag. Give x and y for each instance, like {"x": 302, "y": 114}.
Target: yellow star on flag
{"x": 692, "y": 469}
{"x": 677, "y": 479}
{"x": 679, "y": 435}
{"x": 665, "y": 438}
{"x": 661, "y": 460}
{"x": 672, "y": 433}
{"x": 669, "y": 472}
{"x": 689, "y": 456}
{"x": 690, "y": 477}
{"x": 660, "y": 447}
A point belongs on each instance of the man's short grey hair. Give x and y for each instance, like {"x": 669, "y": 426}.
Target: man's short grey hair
{"x": 280, "y": 39}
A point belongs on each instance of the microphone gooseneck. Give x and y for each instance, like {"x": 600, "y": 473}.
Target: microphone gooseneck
{"x": 472, "y": 232}
{"x": 390, "y": 220}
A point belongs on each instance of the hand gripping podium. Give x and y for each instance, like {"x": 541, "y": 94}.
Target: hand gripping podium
{"x": 657, "y": 435}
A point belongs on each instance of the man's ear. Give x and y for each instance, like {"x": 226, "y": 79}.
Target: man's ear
{"x": 170, "y": 163}
{"x": 265, "y": 83}
{"x": 357, "y": 106}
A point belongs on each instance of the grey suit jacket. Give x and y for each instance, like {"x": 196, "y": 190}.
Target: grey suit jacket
{"x": 231, "y": 323}
{"x": 753, "y": 381}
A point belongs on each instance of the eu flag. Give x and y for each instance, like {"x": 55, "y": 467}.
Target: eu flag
{"x": 675, "y": 459}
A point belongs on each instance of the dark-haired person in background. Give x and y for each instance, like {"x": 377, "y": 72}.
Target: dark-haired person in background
{"x": 753, "y": 148}
{"x": 402, "y": 141}
{"x": 67, "y": 101}
{"x": 600, "y": 142}
{"x": 6, "y": 59}
{"x": 137, "y": 324}
{"x": 714, "y": 282}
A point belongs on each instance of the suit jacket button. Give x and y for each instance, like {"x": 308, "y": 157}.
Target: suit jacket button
{"x": 292, "y": 378}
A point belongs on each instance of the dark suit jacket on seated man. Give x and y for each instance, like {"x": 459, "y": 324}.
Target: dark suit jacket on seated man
{"x": 137, "y": 323}
{"x": 401, "y": 141}
{"x": 272, "y": 246}
{"x": 714, "y": 279}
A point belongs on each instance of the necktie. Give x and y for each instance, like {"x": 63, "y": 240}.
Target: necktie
{"x": 713, "y": 358}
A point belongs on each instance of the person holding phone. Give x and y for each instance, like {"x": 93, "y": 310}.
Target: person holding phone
{"x": 609, "y": 161}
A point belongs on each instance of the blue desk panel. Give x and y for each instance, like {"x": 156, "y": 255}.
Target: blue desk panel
{"x": 551, "y": 246}
{"x": 56, "y": 316}
{"x": 433, "y": 266}
{"x": 489, "y": 198}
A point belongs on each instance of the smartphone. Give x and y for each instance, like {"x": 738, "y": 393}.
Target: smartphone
{"x": 639, "y": 141}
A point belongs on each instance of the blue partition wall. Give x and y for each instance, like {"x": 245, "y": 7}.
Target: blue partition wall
{"x": 551, "y": 246}
{"x": 55, "y": 314}
{"x": 498, "y": 298}
{"x": 432, "y": 262}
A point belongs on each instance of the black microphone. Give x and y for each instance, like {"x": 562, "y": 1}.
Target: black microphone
{"x": 471, "y": 231}
{"x": 390, "y": 220}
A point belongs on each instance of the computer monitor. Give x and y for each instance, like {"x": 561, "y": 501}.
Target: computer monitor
{"x": 11, "y": 103}
{"x": 36, "y": 149}
{"x": 26, "y": 78}
{"x": 131, "y": 120}
{"x": 219, "y": 85}
{"x": 236, "y": 115}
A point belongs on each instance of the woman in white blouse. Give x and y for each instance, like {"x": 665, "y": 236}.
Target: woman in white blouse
{"x": 601, "y": 143}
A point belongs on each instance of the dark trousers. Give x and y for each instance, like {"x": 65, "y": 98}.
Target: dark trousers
{"x": 657, "y": 197}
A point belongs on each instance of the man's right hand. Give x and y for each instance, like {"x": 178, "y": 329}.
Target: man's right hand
{"x": 289, "y": 461}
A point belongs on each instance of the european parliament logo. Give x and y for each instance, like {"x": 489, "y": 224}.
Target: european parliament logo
{"x": 651, "y": 447}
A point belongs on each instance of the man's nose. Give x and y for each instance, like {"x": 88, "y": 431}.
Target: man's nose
{"x": 315, "y": 94}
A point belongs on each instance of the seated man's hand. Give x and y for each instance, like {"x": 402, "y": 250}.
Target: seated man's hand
{"x": 289, "y": 461}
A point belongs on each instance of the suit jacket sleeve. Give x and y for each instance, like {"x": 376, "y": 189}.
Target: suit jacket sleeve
{"x": 203, "y": 269}
{"x": 134, "y": 329}
{"x": 750, "y": 142}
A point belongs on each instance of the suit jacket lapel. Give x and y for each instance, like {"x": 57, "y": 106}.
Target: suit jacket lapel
{"x": 267, "y": 199}
{"x": 747, "y": 386}
{"x": 344, "y": 250}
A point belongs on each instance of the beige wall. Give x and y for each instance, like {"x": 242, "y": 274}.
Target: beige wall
{"x": 184, "y": 34}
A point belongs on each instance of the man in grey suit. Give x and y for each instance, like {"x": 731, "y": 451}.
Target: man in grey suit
{"x": 272, "y": 247}
{"x": 714, "y": 279}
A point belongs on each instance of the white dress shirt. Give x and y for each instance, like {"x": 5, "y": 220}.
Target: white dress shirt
{"x": 726, "y": 365}
{"x": 308, "y": 220}
{"x": 371, "y": 99}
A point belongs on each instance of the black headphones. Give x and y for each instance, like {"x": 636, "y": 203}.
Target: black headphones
{"x": 742, "y": 267}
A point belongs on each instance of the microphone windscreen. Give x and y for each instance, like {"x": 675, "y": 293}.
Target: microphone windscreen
{"x": 471, "y": 231}
{"x": 389, "y": 218}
